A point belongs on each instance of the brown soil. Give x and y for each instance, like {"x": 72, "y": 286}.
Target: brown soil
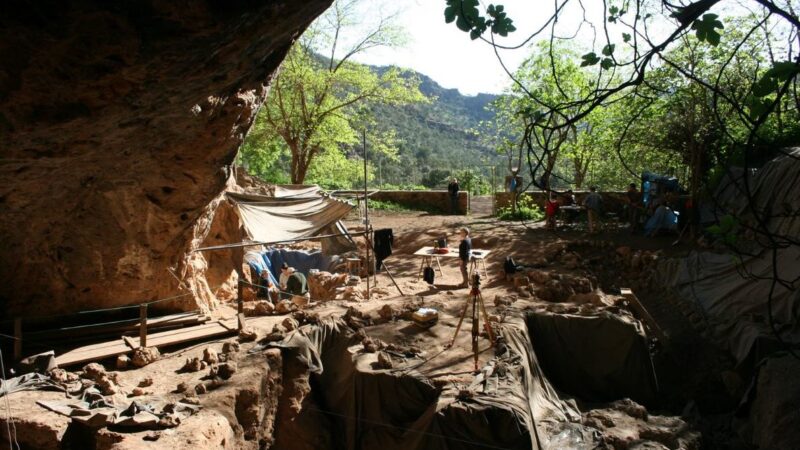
{"x": 261, "y": 405}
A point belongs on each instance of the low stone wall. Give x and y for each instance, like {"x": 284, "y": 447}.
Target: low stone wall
{"x": 426, "y": 200}
{"x": 613, "y": 202}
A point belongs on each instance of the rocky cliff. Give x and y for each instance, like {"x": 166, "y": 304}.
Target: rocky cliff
{"x": 118, "y": 123}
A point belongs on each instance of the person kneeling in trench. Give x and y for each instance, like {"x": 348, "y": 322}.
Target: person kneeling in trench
{"x": 293, "y": 285}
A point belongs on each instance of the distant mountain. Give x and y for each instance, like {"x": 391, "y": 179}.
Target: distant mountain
{"x": 436, "y": 137}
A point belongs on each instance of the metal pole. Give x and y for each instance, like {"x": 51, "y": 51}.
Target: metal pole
{"x": 366, "y": 209}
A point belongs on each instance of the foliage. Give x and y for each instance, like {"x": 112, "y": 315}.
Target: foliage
{"x": 726, "y": 230}
{"x": 526, "y": 210}
{"x": 387, "y": 206}
{"x": 316, "y": 103}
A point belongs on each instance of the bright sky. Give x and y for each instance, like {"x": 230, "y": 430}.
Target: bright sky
{"x": 446, "y": 54}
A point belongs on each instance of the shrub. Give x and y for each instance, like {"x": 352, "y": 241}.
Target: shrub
{"x": 526, "y": 210}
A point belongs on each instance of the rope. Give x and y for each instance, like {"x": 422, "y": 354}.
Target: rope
{"x": 12, "y": 440}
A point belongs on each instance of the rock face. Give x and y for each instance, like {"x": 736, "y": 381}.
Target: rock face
{"x": 118, "y": 125}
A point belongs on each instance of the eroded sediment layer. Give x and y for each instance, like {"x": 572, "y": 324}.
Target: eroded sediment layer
{"x": 118, "y": 122}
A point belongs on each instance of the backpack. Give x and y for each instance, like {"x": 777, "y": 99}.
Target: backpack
{"x": 428, "y": 274}
{"x": 510, "y": 267}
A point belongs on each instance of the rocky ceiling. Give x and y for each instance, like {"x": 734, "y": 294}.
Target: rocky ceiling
{"x": 118, "y": 124}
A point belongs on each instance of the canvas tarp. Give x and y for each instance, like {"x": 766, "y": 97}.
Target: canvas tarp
{"x": 597, "y": 356}
{"x": 297, "y": 191}
{"x": 269, "y": 220}
{"x": 505, "y": 410}
{"x": 732, "y": 290}
{"x": 732, "y": 295}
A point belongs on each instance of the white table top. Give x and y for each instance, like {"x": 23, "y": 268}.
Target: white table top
{"x": 453, "y": 253}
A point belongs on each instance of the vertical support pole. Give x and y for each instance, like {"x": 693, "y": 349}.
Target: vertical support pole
{"x": 367, "y": 226}
{"x": 17, "y": 339}
{"x": 143, "y": 325}
{"x": 240, "y": 292}
{"x": 494, "y": 192}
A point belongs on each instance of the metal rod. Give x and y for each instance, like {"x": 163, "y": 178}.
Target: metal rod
{"x": 285, "y": 241}
{"x": 366, "y": 210}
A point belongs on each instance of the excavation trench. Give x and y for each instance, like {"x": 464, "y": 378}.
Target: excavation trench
{"x": 337, "y": 393}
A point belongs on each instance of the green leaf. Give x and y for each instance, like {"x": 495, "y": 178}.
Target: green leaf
{"x": 783, "y": 70}
{"x": 626, "y": 37}
{"x": 765, "y": 86}
{"x": 607, "y": 63}
{"x": 608, "y": 49}
{"x": 589, "y": 59}
{"x": 706, "y": 29}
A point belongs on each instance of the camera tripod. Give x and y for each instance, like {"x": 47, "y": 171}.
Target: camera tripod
{"x": 476, "y": 300}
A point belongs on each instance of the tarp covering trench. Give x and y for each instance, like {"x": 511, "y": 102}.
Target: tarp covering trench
{"x": 402, "y": 409}
{"x": 597, "y": 356}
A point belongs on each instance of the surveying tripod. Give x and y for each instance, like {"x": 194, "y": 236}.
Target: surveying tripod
{"x": 476, "y": 300}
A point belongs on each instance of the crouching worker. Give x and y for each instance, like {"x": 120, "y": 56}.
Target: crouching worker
{"x": 266, "y": 289}
{"x": 293, "y": 285}
{"x": 464, "y": 251}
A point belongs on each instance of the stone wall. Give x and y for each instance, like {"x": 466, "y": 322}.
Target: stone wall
{"x": 613, "y": 202}
{"x": 118, "y": 122}
{"x": 433, "y": 200}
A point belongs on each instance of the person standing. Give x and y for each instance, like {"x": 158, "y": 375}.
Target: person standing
{"x": 452, "y": 189}
{"x": 464, "y": 252}
{"x": 594, "y": 207}
{"x": 634, "y": 198}
{"x": 550, "y": 211}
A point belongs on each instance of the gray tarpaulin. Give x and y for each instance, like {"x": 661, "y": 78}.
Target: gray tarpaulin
{"x": 732, "y": 290}
{"x": 507, "y": 409}
{"x": 269, "y": 219}
{"x": 596, "y": 356}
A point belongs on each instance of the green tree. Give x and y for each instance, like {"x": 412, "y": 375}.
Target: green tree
{"x": 316, "y": 102}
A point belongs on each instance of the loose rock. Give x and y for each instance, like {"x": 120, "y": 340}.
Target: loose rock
{"x": 248, "y": 334}
{"x": 123, "y": 362}
{"x": 143, "y": 356}
{"x": 210, "y": 356}
{"x": 231, "y": 347}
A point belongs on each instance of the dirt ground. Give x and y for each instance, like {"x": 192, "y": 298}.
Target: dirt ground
{"x": 579, "y": 255}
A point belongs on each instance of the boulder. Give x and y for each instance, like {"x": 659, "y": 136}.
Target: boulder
{"x": 210, "y": 356}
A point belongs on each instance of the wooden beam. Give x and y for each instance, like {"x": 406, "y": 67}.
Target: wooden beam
{"x": 165, "y": 338}
{"x": 640, "y": 310}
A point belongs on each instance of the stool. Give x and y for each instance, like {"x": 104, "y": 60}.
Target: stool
{"x": 353, "y": 266}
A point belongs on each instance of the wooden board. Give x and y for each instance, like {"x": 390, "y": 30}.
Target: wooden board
{"x": 453, "y": 253}
{"x": 644, "y": 315}
{"x": 116, "y": 347}
{"x": 173, "y": 321}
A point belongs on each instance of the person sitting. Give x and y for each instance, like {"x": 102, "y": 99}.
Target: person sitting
{"x": 568, "y": 199}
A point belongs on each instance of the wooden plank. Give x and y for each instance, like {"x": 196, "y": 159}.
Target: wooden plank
{"x": 173, "y": 320}
{"x": 637, "y": 306}
{"x": 172, "y": 337}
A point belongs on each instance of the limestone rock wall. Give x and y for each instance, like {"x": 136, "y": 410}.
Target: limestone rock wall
{"x": 118, "y": 122}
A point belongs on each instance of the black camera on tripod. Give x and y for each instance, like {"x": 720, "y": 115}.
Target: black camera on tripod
{"x": 476, "y": 279}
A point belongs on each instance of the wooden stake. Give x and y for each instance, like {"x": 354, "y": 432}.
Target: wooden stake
{"x": 143, "y": 325}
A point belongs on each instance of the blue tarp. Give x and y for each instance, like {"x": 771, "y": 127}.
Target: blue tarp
{"x": 663, "y": 219}
{"x": 302, "y": 261}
